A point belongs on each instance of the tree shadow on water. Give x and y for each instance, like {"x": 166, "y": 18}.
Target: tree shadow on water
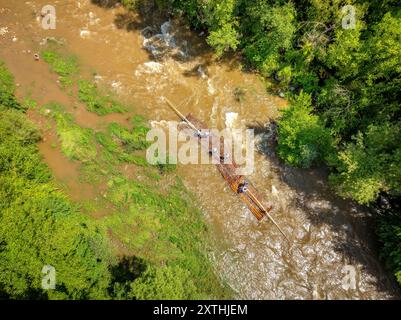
{"x": 108, "y": 4}
{"x": 351, "y": 227}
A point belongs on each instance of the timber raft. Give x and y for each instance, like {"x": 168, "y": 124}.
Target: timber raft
{"x": 227, "y": 167}
{"x": 228, "y": 171}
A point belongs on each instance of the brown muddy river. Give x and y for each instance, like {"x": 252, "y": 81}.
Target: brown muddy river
{"x": 332, "y": 254}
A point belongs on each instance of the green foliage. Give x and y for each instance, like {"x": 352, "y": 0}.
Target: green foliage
{"x": 218, "y": 16}
{"x": 166, "y": 283}
{"x": 222, "y": 25}
{"x": 77, "y": 143}
{"x": 131, "y": 4}
{"x": 96, "y": 102}
{"x": 223, "y": 39}
{"x": 39, "y": 226}
{"x": 7, "y": 88}
{"x": 269, "y": 31}
{"x": 162, "y": 228}
{"x": 130, "y": 140}
{"x": 65, "y": 66}
{"x": 390, "y": 235}
{"x": 303, "y": 139}
{"x": 18, "y": 156}
{"x": 370, "y": 164}
{"x": 63, "y": 233}
{"x": 345, "y": 53}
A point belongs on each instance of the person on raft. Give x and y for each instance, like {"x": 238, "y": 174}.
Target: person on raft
{"x": 243, "y": 187}
{"x": 225, "y": 157}
{"x": 200, "y": 134}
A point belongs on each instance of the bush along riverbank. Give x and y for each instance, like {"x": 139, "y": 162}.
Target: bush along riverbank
{"x": 339, "y": 66}
{"x": 152, "y": 242}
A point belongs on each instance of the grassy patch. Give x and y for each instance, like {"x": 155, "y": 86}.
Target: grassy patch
{"x": 65, "y": 66}
{"x": 29, "y": 103}
{"x": 131, "y": 140}
{"x": 77, "y": 143}
{"x": 119, "y": 145}
{"x": 7, "y": 88}
{"x": 97, "y": 102}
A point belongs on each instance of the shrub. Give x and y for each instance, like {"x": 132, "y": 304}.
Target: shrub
{"x": 389, "y": 231}
{"x": 303, "y": 141}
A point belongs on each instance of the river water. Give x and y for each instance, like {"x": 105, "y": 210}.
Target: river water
{"x": 332, "y": 253}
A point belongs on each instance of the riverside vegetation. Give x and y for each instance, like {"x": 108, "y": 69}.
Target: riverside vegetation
{"x": 150, "y": 245}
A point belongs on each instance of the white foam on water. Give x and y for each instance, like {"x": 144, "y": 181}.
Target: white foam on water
{"x": 202, "y": 73}
{"x": 158, "y": 43}
{"x": 213, "y": 115}
{"x": 210, "y": 88}
{"x": 167, "y": 36}
{"x": 98, "y": 78}
{"x": 3, "y": 31}
{"x": 231, "y": 118}
{"x": 149, "y": 68}
{"x": 93, "y": 20}
{"x": 274, "y": 190}
{"x": 84, "y": 33}
{"x": 117, "y": 86}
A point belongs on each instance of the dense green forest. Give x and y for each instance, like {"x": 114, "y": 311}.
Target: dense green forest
{"x": 339, "y": 64}
{"x": 164, "y": 236}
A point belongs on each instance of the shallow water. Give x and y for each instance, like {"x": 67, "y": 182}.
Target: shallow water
{"x": 145, "y": 59}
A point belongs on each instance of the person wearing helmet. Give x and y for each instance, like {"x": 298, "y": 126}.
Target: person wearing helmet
{"x": 225, "y": 157}
{"x": 243, "y": 187}
{"x": 200, "y": 134}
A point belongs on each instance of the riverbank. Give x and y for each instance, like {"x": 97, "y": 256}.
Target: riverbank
{"x": 151, "y": 239}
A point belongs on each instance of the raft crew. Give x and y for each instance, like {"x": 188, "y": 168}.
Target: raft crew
{"x": 225, "y": 157}
{"x": 200, "y": 134}
{"x": 243, "y": 187}
{"x": 214, "y": 151}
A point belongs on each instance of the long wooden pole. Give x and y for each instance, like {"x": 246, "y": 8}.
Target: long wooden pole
{"x": 248, "y": 192}
{"x": 267, "y": 213}
{"x": 180, "y": 114}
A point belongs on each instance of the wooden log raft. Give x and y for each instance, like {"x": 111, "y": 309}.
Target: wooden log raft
{"x": 227, "y": 167}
